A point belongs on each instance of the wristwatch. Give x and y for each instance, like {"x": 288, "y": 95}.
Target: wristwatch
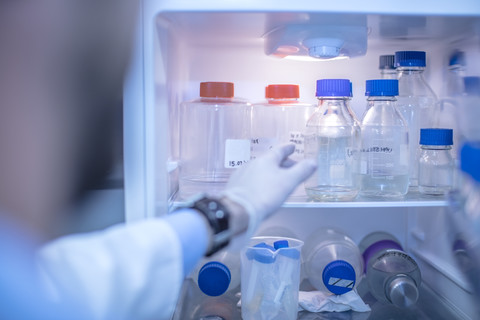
{"x": 218, "y": 217}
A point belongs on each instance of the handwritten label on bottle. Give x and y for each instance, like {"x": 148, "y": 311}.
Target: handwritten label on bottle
{"x": 237, "y": 152}
{"x": 260, "y": 145}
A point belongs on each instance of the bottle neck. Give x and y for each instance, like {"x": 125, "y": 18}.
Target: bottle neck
{"x": 410, "y": 71}
{"x": 431, "y": 147}
{"x": 388, "y": 73}
{"x": 282, "y": 101}
{"x": 382, "y": 98}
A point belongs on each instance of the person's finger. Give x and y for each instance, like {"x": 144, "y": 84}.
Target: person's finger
{"x": 287, "y": 163}
{"x": 282, "y": 152}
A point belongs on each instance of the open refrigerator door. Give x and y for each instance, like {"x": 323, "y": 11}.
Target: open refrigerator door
{"x": 252, "y": 44}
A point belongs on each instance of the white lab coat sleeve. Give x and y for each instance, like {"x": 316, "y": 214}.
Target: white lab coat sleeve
{"x": 130, "y": 271}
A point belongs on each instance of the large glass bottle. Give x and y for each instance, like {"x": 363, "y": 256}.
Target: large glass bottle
{"x": 331, "y": 139}
{"x": 214, "y": 138}
{"x": 384, "y": 143}
{"x": 416, "y": 102}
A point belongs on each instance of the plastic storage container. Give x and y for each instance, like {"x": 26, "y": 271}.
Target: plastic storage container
{"x": 384, "y": 143}
{"x": 416, "y": 102}
{"x": 332, "y": 261}
{"x": 386, "y": 64}
{"x": 280, "y": 119}
{"x": 436, "y": 165}
{"x": 271, "y": 278}
{"x": 393, "y": 276}
{"x": 332, "y": 139}
{"x": 214, "y": 138}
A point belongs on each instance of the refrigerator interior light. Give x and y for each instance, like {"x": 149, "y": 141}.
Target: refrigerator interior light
{"x": 324, "y": 48}
{"x": 317, "y": 41}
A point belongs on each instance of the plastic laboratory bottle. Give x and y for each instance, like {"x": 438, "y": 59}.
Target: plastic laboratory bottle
{"x": 469, "y": 111}
{"x": 386, "y": 64}
{"x": 416, "y": 102}
{"x": 392, "y": 275}
{"x": 332, "y": 261}
{"x": 454, "y": 85}
{"x": 214, "y": 138}
{"x": 331, "y": 139}
{"x": 218, "y": 274}
{"x": 384, "y": 143}
{"x": 464, "y": 218}
{"x": 280, "y": 119}
{"x": 436, "y": 165}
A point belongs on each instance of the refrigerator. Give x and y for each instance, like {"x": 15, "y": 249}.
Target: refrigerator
{"x": 180, "y": 43}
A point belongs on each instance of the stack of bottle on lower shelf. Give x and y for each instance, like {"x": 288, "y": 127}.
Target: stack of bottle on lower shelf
{"x": 403, "y": 143}
{"x": 332, "y": 263}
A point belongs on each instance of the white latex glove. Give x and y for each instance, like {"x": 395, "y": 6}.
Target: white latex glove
{"x": 262, "y": 185}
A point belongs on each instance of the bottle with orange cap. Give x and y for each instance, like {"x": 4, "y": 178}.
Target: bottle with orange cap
{"x": 280, "y": 119}
{"x": 214, "y": 138}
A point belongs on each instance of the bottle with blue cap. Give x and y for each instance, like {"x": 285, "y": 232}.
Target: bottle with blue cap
{"x": 331, "y": 139}
{"x": 469, "y": 111}
{"x": 454, "y": 85}
{"x": 384, "y": 164}
{"x": 392, "y": 275}
{"x": 332, "y": 261}
{"x": 464, "y": 218}
{"x": 219, "y": 274}
{"x": 436, "y": 165}
{"x": 416, "y": 102}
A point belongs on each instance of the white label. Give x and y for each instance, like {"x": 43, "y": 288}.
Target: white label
{"x": 262, "y": 145}
{"x": 338, "y": 282}
{"x": 298, "y": 139}
{"x": 237, "y": 152}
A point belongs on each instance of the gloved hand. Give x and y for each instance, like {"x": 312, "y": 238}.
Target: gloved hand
{"x": 262, "y": 185}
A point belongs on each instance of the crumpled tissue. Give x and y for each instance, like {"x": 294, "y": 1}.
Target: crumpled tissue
{"x": 318, "y": 301}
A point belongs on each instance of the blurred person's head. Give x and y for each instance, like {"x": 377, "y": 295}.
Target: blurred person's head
{"x": 62, "y": 64}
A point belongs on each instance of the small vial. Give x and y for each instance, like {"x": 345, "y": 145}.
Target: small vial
{"x": 436, "y": 164}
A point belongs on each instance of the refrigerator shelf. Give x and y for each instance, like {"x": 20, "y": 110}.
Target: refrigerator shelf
{"x": 414, "y": 200}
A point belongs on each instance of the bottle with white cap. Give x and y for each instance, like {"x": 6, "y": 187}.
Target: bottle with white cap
{"x": 392, "y": 275}
{"x": 332, "y": 261}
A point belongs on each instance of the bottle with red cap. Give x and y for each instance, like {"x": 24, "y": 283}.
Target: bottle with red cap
{"x": 214, "y": 138}
{"x": 280, "y": 119}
